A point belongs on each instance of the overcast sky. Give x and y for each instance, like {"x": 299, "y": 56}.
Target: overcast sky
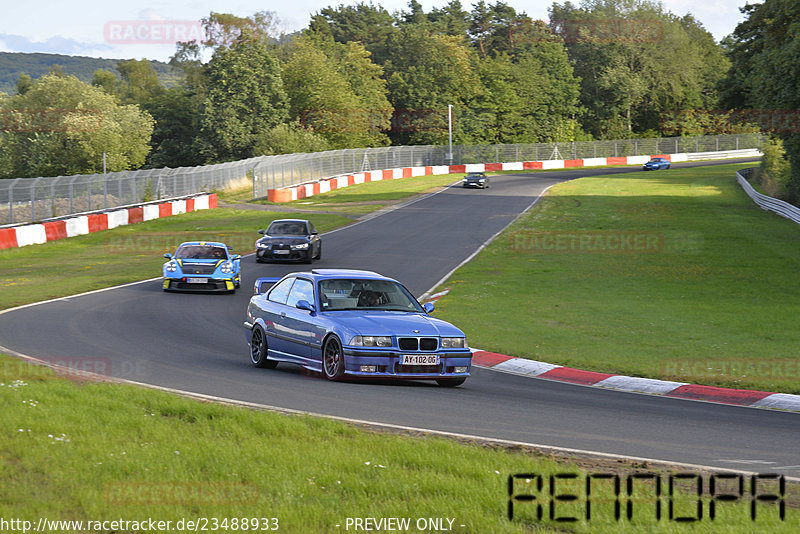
{"x": 121, "y": 30}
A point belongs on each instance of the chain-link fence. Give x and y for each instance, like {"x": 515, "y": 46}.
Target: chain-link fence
{"x": 32, "y": 199}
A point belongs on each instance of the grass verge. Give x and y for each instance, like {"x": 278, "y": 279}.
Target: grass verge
{"x": 673, "y": 274}
{"x": 78, "y": 450}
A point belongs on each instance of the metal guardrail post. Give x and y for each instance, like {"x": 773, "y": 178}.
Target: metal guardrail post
{"x": 33, "y": 198}
{"x": 11, "y": 200}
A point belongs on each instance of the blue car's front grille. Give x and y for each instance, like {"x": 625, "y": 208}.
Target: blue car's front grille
{"x": 198, "y": 268}
{"x": 414, "y": 343}
{"x": 417, "y": 369}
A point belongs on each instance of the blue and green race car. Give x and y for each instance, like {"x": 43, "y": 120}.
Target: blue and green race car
{"x": 202, "y": 266}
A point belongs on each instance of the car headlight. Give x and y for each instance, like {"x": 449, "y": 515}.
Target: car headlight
{"x": 301, "y": 246}
{"x": 259, "y": 244}
{"x": 454, "y": 342}
{"x": 226, "y": 267}
{"x": 172, "y": 266}
{"x": 371, "y": 341}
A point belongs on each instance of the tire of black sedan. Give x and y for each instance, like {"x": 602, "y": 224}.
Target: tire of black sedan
{"x": 451, "y": 382}
{"x": 332, "y": 359}
{"x": 258, "y": 350}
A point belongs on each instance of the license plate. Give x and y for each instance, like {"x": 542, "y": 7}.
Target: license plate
{"x": 280, "y": 251}
{"x": 419, "y": 359}
{"x": 197, "y": 280}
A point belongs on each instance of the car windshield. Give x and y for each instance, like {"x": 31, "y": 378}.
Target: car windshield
{"x": 201, "y": 252}
{"x": 476, "y": 175}
{"x": 355, "y": 294}
{"x": 287, "y": 228}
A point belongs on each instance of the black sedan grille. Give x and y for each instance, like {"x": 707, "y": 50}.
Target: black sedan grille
{"x": 415, "y": 343}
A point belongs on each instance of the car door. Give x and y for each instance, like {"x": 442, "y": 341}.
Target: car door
{"x": 299, "y": 323}
{"x": 274, "y": 317}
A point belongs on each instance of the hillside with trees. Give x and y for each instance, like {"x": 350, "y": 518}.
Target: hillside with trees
{"x": 36, "y": 65}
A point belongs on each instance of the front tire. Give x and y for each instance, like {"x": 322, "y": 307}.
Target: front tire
{"x": 451, "y": 382}
{"x": 332, "y": 359}
{"x": 259, "y": 349}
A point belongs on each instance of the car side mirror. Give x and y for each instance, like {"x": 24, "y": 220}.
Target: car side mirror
{"x": 305, "y": 305}
{"x": 262, "y": 232}
{"x": 428, "y": 307}
{"x": 168, "y": 256}
{"x": 235, "y": 257}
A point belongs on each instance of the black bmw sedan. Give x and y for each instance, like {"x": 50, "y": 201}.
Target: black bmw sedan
{"x": 289, "y": 240}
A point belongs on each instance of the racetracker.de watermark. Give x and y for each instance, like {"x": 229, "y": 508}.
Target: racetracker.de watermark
{"x": 159, "y": 243}
{"x": 359, "y": 120}
{"x": 603, "y": 242}
{"x": 777, "y": 370}
{"x": 586, "y": 242}
{"x": 152, "y": 31}
{"x": 779, "y": 121}
{"x": 78, "y": 368}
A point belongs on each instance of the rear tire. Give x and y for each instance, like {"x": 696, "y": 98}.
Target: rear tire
{"x": 259, "y": 350}
{"x": 451, "y": 382}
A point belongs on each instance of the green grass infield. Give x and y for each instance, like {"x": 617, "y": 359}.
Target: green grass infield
{"x": 672, "y": 274}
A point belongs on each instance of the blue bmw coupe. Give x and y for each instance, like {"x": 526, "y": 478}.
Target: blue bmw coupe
{"x": 201, "y": 266}
{"x": 348, "y": 323}
{"x": 656, "y": 164}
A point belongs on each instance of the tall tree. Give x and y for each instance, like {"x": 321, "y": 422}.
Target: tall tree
{"x": 636, "y": 61}
{"x": 764, "y": 50}
{"x": 427, "y": 72}
{"x": 336, "y": 91}
{"x": 368, "y": 24}
{"x": 63, "y": 126}
{"x": 244, "y": 100}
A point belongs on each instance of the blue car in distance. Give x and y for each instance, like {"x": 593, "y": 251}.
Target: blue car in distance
{"x": 656, "y": 164}
{"x": 201, "y": 266}
{"x": 352, "y": 324}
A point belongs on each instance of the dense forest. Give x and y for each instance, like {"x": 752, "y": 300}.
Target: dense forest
{"x": 361, "y": 76}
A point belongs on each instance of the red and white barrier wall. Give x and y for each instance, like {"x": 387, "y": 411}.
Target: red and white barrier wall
{"x": 287, "y": 194}
{"x": 31, "y": 234}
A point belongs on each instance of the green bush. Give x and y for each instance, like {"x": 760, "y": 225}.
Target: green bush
{"x": 775, "y": 171}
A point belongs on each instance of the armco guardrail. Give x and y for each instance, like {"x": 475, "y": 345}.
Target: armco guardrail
{"x": 784, "y": 209}
{"x": 699, "y": 156}
{"x": 86, "y": 223}
{"x": 32, "y": 199}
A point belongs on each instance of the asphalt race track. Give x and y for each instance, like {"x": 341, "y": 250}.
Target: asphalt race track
{"x": 195, "y": 342}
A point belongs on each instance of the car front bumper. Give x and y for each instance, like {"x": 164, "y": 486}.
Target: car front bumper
{"x": 263, "y": 254}
{"x": 387, "y": 364}
{"x": 211, "y": 284}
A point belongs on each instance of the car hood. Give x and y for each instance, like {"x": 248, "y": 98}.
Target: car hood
{"x": 386, "y": 323}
